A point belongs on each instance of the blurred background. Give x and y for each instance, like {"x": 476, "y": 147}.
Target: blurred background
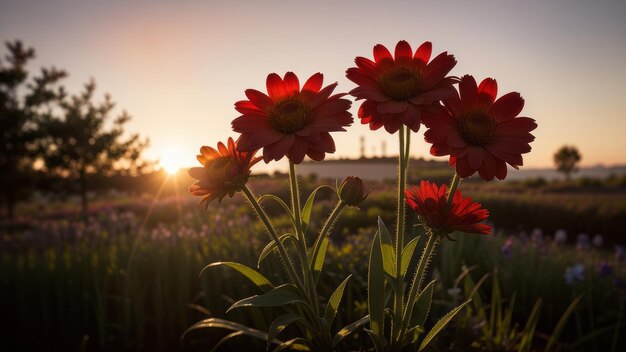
{"x": 104, "y": 105}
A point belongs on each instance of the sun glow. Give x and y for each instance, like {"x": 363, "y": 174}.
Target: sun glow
{"x": 171, "y": 160}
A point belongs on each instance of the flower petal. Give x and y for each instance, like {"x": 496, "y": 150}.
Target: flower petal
{"x": 422, "y": 54}
{"x": 314, "y": 83}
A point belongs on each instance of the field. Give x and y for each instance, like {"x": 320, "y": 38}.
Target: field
{"x": 127, "y": 278}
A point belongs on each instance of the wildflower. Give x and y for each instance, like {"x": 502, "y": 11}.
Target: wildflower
{"x": 604, "y": 269}
{"x": 620, "y": 253}
{"x": 224, "y": 171}
{"x": 507, "y": 248}
{"x": 597, "y": 240}
{"x": 429, "y": 202}
{"x": 399, "y": 90}
{"x": 560, "y": 236}
{"x": 523, "y": 238}
{"x": 536, "y": 236}
{"x": 574, "y": 274}
{"x": 455, "y": 294}
{"x": 479, "y": 132}
{"x": 582, "y": 241}
{"x": 352, "y": 191}
{"x": 290, "y": 121}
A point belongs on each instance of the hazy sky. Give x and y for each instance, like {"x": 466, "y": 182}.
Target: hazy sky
{"x": 179, "y": 66}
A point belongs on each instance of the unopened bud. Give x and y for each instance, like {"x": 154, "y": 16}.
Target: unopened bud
{"x": 352, "y": 191}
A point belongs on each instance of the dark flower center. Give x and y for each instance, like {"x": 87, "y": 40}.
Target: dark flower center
{"x": 290, "y": 115}
{"x": 401, "y": 83}
{"x": 477, "y": 128}
{"x": 223, "y": 171}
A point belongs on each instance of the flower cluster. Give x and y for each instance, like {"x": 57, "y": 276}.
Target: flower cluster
{"x": 399, "y": 92}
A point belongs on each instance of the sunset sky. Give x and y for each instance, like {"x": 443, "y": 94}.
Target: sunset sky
{"x": 179, "y": 66}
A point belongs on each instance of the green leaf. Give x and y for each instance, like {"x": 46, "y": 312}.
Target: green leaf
{"x": 528, "y": 334}
{"x": 257, "y": 278}
{"x": 226, "y": 338}
{"x": 348, "y": 330}
{"x": 229, "y": 325}
{"x": 561, "y": 324}
{"x": 281, "y": 203}
{"x": 376, "y": 288}
{"x": 280, "y": 324}
{"x": 407, "y": 255}
{"x": 412, "y": 335}
{"x": 422, "y": 305}
{"x": 333, "y": 302}
{"x": 317, "y": 258}
{"x": 308, "y": 207}
{"x": 387, "y": 249}
{"x": 378, "y": 345}
{"x": 281, "y": 295}
{"x": 270, "y": 247}
{"x": 440, "y": 325}
{"x": 297, "y": 344}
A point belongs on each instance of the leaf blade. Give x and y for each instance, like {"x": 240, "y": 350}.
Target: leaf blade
{"x": 440, "y": 325}
{"x": 254, "y": 276}
{"x": 349, "y": 329}
{"x": 279, "y": 296}
{"x": 333, "y": 303}
{"x": 376, "y": 288}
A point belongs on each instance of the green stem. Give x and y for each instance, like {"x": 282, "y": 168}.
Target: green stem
{"x": 418, "y": 279}
{"x": 431, "y": 244}
{"x": 297, "y": 212}
{"x": 456, "y": 180}
{"x": 295, "y": 202}
{"x": 291, "y": 271}
{"x": 399, "y": 284}
{"x": 284, "y": 256}
{"x": 330, "y": 221}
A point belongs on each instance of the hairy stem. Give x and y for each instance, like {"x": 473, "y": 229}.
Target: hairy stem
{"x": 399, "y": 243}
{"x": 284, "y": 256}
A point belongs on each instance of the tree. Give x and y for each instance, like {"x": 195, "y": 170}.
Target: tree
{"x": 23, "y": 104}
{"x": 566, "y": 159}
{"x": 80, "y": 144}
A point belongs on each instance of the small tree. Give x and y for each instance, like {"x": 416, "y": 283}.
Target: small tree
{"x": 23, "y": 104}
{"x": 566, "y": 159}
{"x": 80, "y": 144}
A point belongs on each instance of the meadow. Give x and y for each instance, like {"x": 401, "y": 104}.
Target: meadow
{"x": 127, "y": 277}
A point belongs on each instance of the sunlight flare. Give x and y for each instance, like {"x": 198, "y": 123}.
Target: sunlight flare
{"x": 172, "y": 160}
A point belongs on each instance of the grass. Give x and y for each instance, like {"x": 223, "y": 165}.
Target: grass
{"x": 124, "y": 281}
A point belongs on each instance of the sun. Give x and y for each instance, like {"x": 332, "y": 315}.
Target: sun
{"x": 171, "y": 160}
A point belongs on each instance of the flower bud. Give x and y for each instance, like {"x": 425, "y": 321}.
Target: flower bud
{"x": 352, "y": 191}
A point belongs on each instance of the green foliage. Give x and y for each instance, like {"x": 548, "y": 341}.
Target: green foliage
{"x": 496, "y": 330}
{"x": 376, "y": 291}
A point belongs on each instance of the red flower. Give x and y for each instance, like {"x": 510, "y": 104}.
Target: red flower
{"x": 398, "y": 91}
{"x": 429, "y": 202}
{"x": 479, "y": 132}
{"x": 224, "y": 171}
{"x": 291, "y": 121}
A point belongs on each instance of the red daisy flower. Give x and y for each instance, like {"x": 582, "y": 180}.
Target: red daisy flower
{"x": 291, "y": 121}
{"x": 224, "y": 171}
{"x": 429, "y": 202}
{"x": 398, "y": 91}
{"x": 479, "y": 132}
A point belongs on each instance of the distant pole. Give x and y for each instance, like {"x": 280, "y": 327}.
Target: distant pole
{"x": 384, "y": 149}
{"x": 362, "y": 147}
